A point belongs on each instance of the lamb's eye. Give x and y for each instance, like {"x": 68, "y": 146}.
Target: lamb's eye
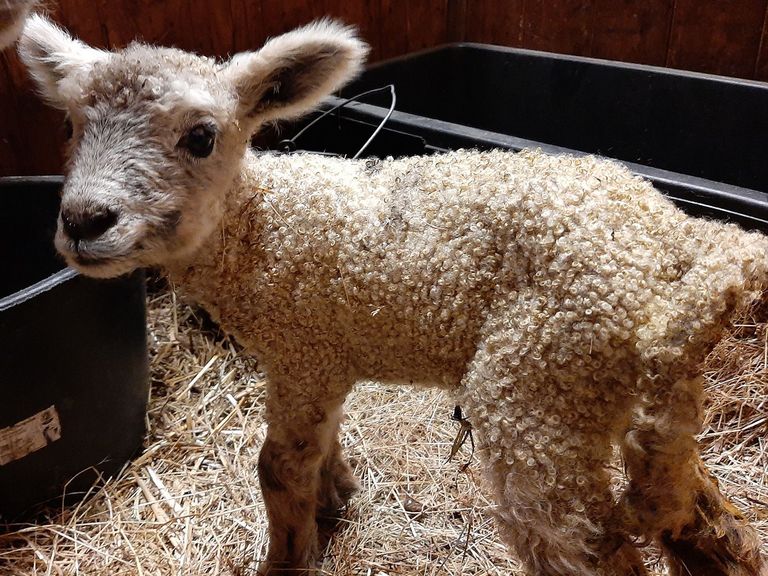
{"x": 199, "y": 140}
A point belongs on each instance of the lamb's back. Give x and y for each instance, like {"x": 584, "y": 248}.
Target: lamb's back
{"x": 414, "y": 254}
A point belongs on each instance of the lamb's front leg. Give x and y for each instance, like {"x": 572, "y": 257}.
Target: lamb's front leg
{"x": 301, "y": 440}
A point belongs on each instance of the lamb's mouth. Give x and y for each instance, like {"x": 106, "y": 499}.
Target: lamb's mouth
{"x": 93, "y": 261}
{"x": 83, "y": 257}
{"x": 101, "y": 266}
{"x": 89, "y": 255}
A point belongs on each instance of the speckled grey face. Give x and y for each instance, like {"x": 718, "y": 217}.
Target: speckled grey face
{"x": 158, "y": 135}
{"x": 140, "y": 184}
{"x": 146, "y": 170}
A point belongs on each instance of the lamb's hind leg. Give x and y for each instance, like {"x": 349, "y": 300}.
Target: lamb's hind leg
{"x": 672, "y": 496}
{"x": 546, "y": 451}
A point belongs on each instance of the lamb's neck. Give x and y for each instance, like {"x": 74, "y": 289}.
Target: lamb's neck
{"x": 220, "y": 259}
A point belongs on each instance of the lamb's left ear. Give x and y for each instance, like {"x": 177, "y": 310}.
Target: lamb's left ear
{"x": 292, "y": 73}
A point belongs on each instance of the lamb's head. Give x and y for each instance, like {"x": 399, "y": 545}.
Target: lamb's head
{"x": 158, "y": 135}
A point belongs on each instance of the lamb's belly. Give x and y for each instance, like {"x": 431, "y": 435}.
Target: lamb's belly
{"x": 423, "y": 360}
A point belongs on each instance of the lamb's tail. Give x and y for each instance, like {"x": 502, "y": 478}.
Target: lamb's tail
{"x": 729, "y": 274}
{"x": 735, "y": 266}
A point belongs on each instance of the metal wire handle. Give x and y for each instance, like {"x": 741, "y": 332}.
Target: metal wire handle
{"x": 289, "y": 144}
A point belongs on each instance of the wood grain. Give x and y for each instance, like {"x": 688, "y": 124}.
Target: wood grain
{"x": 495, "y": 22}
{"x": 724, "y": 37}
{"x": 631, "y": 30}
{"x": 457, "y": 20}
{"x": 393, "y": 28}
{"x": 427, "y": 24}
{"x": 721, "y": 37}
{"x": 30, "y": 131}
{"x": 365, "y": 14}
{"x": 761, "y": 68}
{"x": 563, "y": 26}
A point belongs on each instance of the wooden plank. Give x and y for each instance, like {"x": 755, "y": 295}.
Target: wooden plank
{"x": 495, "y": 22}
{"x": 90, "y": 29}
{"x": 408, "y": 26}
{"x": 563, "y": 26}
{"x": 457, "y": 20}
{"x": 204, "y": 28}
{"x": 248, "y": 29}
{"x": 632, "y": 30}
{"x": 282, "y": 16}
{"x": 212, "y": 33}
{"x": 364, "y": 14}
{"x": 187, "y": 24}
{"x": 720, "y": 37}
{"x": 10, "y": 151}
{"x": 393, "y": 28}
{"x": 426, "y": 24}
{"x": 30, "y": 131}
{"x": 761, "y": 68}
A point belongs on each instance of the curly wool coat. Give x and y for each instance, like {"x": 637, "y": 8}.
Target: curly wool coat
{"x": 564, "y": 302}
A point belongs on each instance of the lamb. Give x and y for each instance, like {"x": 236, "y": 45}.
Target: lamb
{"x": 12, "y": 16}
{"x": 562, "y": 301}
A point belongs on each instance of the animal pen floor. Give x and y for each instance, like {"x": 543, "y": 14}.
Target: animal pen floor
{"x": 190, "y": 503}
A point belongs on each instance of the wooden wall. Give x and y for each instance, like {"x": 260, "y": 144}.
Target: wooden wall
{"x": 727, "y": 37}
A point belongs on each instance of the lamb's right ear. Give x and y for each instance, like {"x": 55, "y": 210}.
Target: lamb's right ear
{"x": 56, "y": 61}
{"x": 292, "y": 73}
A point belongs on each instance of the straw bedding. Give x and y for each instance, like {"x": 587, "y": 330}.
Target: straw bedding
{"x": 190, "y": 503}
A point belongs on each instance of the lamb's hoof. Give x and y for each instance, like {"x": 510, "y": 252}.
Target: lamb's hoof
{"x": 328, "y": 522}
{"x": 712, "y": 559}
{"x": 719, "y": 543}
{"x": 346, "y": 487}
{"x": 269, "y": 568}
{"x": 289, "y": 561}
{"x": 332, "y": 505}
{"x": 339, "y": 489}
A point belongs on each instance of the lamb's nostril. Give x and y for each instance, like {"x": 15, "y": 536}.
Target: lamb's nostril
{"x": 87, "y": 225}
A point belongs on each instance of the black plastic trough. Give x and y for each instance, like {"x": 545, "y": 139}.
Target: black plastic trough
{"x": 701, "y": 139}
{"x": 73, "y": 360}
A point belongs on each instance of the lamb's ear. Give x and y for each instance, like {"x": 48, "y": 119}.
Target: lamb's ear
{"x": 292, "y": 73}
{"x": 56, "y": 61}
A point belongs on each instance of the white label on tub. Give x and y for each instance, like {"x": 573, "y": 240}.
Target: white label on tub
{"x": 29, "y": 435}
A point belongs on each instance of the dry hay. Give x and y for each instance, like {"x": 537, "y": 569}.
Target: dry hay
{"x": 190, "y": 504}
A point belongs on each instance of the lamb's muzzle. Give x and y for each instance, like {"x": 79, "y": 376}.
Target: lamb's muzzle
{"x": 564, "y": 302}
{"x": 87, "y": 226}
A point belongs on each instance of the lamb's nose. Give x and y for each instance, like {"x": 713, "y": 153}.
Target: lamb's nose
{"x": 87, "y": 225}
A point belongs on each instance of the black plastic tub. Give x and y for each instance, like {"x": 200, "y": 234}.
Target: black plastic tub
{"x": 701, "y": 139}
{"x": 73, "y": 361}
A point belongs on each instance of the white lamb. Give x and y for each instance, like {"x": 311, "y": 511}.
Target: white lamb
{"x": 564, "y": 302}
